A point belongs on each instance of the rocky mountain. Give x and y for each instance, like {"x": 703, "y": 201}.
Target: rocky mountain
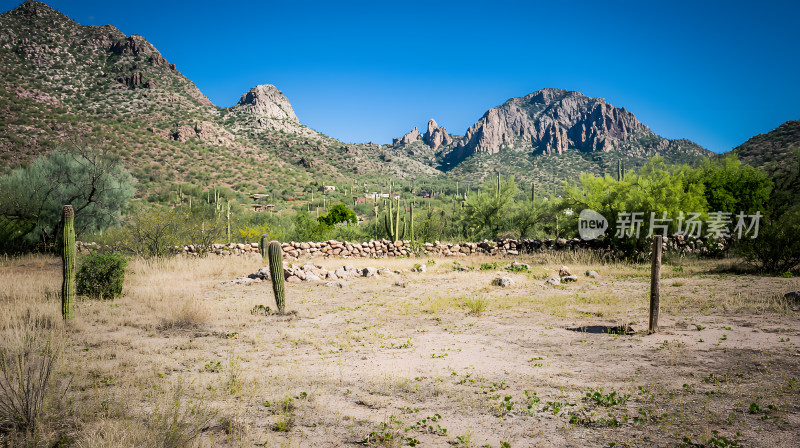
{"x": 63, "y": 83}
{"x": 517, "y": 137}
{"x": 772, "y": 151}
{"x": 778, "y": 153}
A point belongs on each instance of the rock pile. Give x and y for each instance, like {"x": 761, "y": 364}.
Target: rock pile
{"x": 310, "y": 272}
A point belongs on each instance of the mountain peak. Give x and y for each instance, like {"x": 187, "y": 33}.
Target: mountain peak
{"x": 38, "y": 11}
{"x": 267, "y": 101}
{"x": 553, "y": 121}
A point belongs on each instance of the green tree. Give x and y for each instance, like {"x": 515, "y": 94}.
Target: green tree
{"x": 338, "y": 213}
{"x": 308, "y": 229}
{"x": 488, "y": 212}
{"x": 526, "y": 216}
{"x": 93, "y": 182}
{"x": 733, "y": 187}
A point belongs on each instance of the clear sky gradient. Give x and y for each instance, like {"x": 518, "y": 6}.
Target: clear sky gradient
{"x": 715, "y": 72}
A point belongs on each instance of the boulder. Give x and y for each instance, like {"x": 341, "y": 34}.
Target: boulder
{"x": 593, "y": 274}
{"x": 564, "y": 272}
{"x": 553, "y": 281}
{"x": 502, "y": 282}
{"x": 569, "y": 278}
{"x": 369, "y": 272}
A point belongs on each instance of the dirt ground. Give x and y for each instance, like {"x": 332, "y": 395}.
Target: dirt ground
{"x": 439, "y": 358}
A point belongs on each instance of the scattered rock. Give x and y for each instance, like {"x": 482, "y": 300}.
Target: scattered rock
{"x": 502, "y": 282}
{"x": 564, "y": 272}
{"x": 400, "y": 284}
{"x": 420, "y": 268}
{"x": 339, "y": 284}
{"x": 293, "y": 279}
{"x": 593, "y": 274}
{"x": 261, "y": 273}
{"x": 369, "y": 272}
{"x": 518, "y": 265}
{"x": 241, "y": 281}
{"x": 386, "y": 271}
{"x": 553, "y": 281}
{"x": 569, "y": 278}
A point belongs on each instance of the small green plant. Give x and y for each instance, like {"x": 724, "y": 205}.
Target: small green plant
{"x": 426, "y": 425}
{"x": 715, "y": 441}
{"x": 490, "y": 266}
{"x": 517, "y": 268}
{"x": 212, "y": 366}
{"x": 476, "y": 304}
{"x": 605, "y": 400}
{"x": 101, "y": 276}
{"x": 261, "y": 310}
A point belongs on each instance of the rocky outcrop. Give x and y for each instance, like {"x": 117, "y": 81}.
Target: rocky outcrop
{"x": 265, "y": 107}
{"x": 553, "y": 121}
{"x": 204, "y": 131}
{"x": 436, "y": 136}
{"x": 409, "y": 138}
{"x": 267, "y": 102}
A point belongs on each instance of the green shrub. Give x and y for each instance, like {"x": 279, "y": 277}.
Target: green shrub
{"x": 101, "y": 276}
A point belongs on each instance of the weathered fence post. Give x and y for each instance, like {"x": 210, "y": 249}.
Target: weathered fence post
{"x": 655, "y": 283}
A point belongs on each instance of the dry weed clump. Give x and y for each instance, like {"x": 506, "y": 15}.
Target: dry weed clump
{"x": 31, "y": 342}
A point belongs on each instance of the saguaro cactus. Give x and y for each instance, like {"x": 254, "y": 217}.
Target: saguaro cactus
{"x": 276, "y": 273}
{"x": 411, "y": 213}
{"x": 392, "y": 223}
{"x": 68, "y": 259}
{"x": 262, "y": 246}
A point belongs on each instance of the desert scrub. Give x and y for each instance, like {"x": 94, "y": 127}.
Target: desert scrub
{"x": 28, "y": 355}
{"x": 101, "y": 276}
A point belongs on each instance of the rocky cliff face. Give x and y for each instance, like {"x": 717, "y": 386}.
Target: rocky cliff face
{"x": 553, "y": 121}
{"x": 436, "y": 136}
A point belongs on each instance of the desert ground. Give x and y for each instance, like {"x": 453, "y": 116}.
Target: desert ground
{"x": 439, "y": 358}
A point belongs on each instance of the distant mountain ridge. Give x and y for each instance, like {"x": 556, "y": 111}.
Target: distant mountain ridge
{"x": 64, "y": 80}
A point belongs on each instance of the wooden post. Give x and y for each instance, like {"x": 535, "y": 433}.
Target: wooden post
{"x": 655, "y": 283}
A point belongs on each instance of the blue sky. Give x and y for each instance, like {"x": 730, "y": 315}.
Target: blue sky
{"x": 716, "y": 73}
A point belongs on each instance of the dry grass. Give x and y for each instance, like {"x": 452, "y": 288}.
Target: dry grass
{"x": 181, "y": 356}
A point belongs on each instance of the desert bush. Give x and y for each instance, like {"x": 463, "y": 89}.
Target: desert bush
{"x": 28, "y": 355}
{"x": 100, "y": 276}
{"x": 178, "y": 417}
{"x": 777, "y": 247}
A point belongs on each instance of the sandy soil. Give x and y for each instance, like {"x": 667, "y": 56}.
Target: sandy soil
{"x": 442, "y": 358}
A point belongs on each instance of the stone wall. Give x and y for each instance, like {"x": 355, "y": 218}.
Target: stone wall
{"x": 386, "y": 248}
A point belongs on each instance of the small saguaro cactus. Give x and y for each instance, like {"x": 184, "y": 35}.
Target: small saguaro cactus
{"x": 68, "y": 259}
{"x": 276, "y": 273}
{"x": 262, "y": 246}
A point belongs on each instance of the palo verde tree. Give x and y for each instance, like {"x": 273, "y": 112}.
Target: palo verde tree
{"x": 94, "y": 182}
{"x": 488, "y": 212}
